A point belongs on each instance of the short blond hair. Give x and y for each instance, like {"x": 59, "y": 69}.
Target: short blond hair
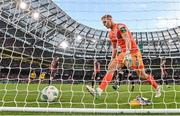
{"x": 106, "y": 16}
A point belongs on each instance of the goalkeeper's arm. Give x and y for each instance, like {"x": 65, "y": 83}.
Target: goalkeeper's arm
{"x": 114, "y": 49}
{"x": 126, "y": 38}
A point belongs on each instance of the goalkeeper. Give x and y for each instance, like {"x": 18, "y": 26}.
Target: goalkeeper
{"x": 130, "y": 56}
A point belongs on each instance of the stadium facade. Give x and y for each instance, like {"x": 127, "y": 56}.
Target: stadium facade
{"x": 27, "y": 43}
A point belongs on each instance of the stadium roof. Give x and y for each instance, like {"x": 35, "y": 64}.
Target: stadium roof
{"x": 54, "y": 26}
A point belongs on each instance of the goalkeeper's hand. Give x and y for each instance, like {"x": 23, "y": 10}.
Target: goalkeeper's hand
{"x": 128, "y": 60}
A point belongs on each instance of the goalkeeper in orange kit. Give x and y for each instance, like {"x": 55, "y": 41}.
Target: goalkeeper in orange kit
{"x": 130, "y": 56}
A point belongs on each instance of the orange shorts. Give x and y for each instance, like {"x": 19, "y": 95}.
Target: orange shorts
{"x": 137, "y": 62}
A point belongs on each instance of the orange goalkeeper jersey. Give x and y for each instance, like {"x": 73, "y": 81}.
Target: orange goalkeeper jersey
{"x": 115, "y": 35}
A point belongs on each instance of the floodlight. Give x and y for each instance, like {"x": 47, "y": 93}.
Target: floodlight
{"x": 64, "y": 44}
{"x": 23, "y": 5}
{"x": 78, "y": 38}
{"x": 35, "y": 15}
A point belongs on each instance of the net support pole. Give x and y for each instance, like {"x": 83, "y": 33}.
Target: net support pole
{"x": 88, "y": 110}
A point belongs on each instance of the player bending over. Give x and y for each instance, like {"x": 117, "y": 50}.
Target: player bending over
{"x": 130, "y": 56}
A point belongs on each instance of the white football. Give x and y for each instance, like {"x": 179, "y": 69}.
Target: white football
{"x": 49, "y": 94}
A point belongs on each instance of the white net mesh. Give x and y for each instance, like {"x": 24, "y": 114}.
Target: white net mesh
{"x": 34, "y": 32}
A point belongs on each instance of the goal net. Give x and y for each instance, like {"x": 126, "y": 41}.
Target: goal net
{"x": 34, "y": 32}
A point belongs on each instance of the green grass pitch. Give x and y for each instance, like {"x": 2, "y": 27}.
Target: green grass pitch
{"x": 76, "y": 96}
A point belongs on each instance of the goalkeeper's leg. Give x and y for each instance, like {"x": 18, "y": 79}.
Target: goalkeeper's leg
{"x": 141, "y": 73}
{"x": 114, "y": 64}
{"x": 138, "y": 65}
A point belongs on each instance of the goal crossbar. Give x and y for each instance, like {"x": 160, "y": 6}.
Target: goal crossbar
{"x": 88, "y": 110}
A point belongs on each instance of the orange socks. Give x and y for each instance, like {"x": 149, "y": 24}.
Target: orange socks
{"x": 151, "y": 80}
{"x": 107, "y": 78}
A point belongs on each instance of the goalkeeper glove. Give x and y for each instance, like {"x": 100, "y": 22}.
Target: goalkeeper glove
{"x": 128, "y": 59}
